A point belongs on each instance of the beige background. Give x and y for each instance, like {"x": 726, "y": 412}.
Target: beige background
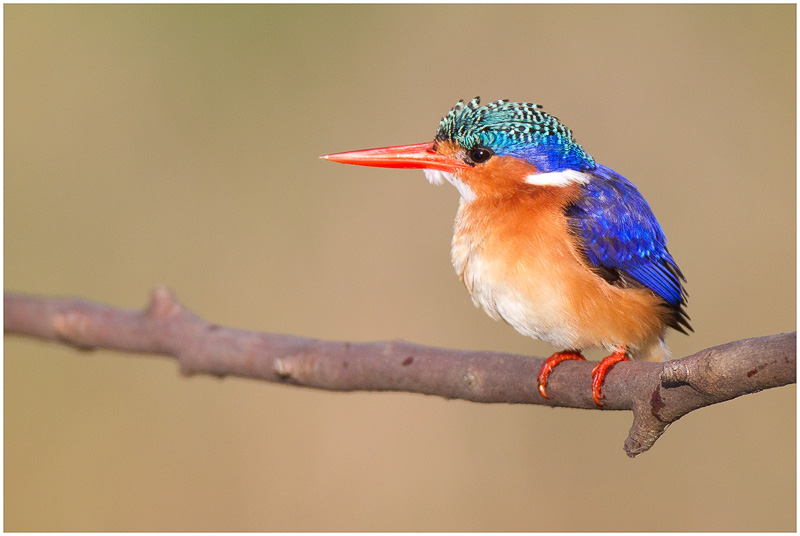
{"x": 179, "y": 144}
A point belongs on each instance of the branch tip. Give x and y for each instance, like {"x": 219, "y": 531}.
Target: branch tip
{"x": 163, "y": 304}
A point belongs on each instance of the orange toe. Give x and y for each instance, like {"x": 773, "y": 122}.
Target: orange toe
{"x": 599, "y": 373}
{"x": 551, "y": 362}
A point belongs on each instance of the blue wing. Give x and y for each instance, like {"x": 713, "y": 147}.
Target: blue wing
{"x": 623, "y": 240}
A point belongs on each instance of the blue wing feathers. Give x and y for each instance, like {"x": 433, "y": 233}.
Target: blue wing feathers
{"x": 619, "y": 234}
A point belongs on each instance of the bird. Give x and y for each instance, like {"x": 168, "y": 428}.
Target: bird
{"x": 562, "y": 248}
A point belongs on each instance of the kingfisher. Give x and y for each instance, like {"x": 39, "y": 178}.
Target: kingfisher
{"x": 562, "y": 248}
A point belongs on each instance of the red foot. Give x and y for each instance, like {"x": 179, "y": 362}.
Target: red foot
{"x": 599, "y": 373}
{"x": 551, "y": 362}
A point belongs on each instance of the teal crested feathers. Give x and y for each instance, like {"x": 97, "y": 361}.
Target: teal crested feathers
{"x": 517, "y": 129}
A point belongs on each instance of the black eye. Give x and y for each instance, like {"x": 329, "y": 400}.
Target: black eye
{"x": 480, "y": 155}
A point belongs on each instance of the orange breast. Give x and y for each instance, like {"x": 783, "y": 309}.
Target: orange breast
{"x": 519, "y": 262}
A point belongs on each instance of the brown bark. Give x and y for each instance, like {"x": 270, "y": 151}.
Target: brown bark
{"x": 657, "y": 393}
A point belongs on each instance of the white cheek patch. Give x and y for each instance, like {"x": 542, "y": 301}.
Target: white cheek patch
{"x": 436, "y": 176}
{"x": 557, "y": 178}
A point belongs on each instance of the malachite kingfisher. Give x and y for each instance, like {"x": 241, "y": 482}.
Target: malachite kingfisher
{"x": 562, "y": 248}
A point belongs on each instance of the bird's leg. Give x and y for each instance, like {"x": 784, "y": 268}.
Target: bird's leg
{"x": 601, "y": 369}
{"x": 551, "y": 362}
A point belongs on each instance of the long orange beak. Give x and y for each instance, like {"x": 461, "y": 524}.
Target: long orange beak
{"x": 417, "y": 156}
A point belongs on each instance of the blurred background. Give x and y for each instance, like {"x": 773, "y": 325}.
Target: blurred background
{"x": 178, "y": 145}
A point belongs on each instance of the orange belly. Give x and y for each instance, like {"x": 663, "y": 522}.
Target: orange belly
{"x": 525, "y": 268}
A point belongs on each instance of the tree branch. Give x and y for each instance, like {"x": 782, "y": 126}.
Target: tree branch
{"x": 657, "y": 393}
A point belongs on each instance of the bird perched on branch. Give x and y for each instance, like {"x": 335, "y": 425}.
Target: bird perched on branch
{"x": 562, "y": 248}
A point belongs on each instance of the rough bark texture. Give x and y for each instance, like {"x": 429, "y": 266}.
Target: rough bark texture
{"x": 657, "y": 393}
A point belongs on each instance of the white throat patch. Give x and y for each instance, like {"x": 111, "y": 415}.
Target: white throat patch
{"x": 436, "y": 176}
{"x": 557, "y": 178}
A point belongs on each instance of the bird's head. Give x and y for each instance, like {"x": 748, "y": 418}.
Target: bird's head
{"x": 488, "y": 150}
